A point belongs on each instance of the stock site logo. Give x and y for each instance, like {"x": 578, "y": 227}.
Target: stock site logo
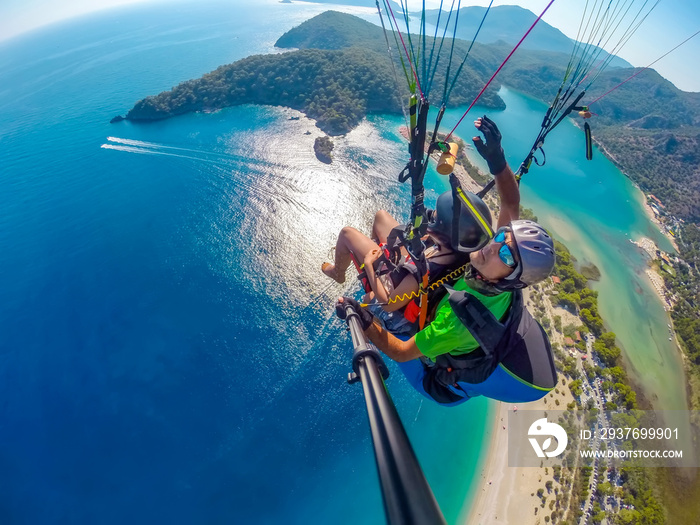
{"x": 542, "y": 427}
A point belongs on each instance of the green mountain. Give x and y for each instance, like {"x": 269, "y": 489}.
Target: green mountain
{"x": 334, "y": 30}
{"x": 340, "y": 71}
{"x": 508, "y": 23}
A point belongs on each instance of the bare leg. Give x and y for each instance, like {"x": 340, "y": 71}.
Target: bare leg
{"x": 382, "y": 226}
{"x": 349, "y": 240}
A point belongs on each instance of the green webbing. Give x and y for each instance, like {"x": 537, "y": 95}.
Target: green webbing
{"x": 432, "y": 49}
{"x": 412, "y": 52}
{"x": 452, "y": 51}
{"x": 423, "y": 38}
{"x": 442, "y": 40}
{"x": 520, "y": 379}
{"x": 391, "y": 60}
{"x": 409, "y": 80}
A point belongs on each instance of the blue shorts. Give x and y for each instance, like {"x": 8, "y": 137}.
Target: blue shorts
{"x": 394, "y": 322}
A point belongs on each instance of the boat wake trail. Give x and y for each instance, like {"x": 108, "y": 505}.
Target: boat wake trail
{"x": 153, "y": 148}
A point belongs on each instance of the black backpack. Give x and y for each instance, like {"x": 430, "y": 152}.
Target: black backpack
{"x": 519, "y": 343}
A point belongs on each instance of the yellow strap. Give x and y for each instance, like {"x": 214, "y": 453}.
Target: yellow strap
{"x": 484, "y": 225}
{"x": 423, "y": 303}
{"x": 423, "y": 291}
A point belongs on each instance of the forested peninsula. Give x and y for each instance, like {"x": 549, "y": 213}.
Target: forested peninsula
{"x": 340, "y": 72}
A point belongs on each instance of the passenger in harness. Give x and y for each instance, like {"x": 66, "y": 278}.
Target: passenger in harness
{"x": 481, "y": 340}
{"x": 392, "y": 290}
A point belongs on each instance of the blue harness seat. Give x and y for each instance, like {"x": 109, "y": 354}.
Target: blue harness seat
{"x": 514, "y": 362}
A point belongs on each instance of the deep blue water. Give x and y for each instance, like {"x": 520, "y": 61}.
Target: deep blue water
{"x": 168, "y": 347}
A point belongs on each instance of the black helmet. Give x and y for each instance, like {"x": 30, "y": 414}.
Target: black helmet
{"x": 471, "y": 234}
{"x": 535, "y": 255}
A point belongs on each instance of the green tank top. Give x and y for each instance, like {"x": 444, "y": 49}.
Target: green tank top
{"x": 447, "y": 334}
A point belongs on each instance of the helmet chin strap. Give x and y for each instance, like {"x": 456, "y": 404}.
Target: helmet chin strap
{"x": 485, "y": 287}
{"x": 479, "y": 283}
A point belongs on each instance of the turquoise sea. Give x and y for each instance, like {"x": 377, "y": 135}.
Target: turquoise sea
{"x": 169, "y": 351}
{"x": 595, "y": 210}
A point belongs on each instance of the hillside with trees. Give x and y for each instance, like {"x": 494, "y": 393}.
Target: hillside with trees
{"x": 684, "y": 284}
{"x": 506, "y": 23}
{"x": 339, "y": 71}
{"x": 337, "y": 88}
{"x": 342, "y": 74}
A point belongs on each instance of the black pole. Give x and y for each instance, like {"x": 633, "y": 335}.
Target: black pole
{"x": 407, "y": 496}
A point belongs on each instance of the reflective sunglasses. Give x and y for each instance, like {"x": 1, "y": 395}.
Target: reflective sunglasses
{"x": 504, "y": 252}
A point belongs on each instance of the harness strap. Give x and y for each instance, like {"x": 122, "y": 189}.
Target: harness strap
{"x": 423, "y": 301}
{"x": 482, "y": 324}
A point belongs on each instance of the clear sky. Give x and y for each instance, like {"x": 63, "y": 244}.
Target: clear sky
{"x": 19, "y": 16}
{"x": 670, "y": 23}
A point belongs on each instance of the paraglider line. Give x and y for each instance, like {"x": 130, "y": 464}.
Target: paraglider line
{"x": 644, "y": 69}
{"x": 391, "y": 11}
{"x": 499, "y": 69}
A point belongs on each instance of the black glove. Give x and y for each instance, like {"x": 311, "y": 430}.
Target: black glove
{"x": 366, "y": 318}
{"x": 491, "y": 150}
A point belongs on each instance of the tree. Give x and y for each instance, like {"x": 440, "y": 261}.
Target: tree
{"x": 570, "y": 331}
{"x": 608, "y": 339}
{"x": 617, "y": 374}
{"x": 575, "y": 387}
{"x": 609, "y": 356}
{"x": 569, "y": 285}
{"x": 588, "y": 302}
{"x": 592, "y": 320}
{"x": 605, "y": 489}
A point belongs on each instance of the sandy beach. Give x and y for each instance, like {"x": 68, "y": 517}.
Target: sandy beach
{"x": 653, "y": 218}
{"x": 658, "y": 284}
{"x": 508, "y": 495}
{"x": 657, "y": 281}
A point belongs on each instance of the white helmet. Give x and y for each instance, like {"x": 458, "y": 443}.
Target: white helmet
{"x": 535, "y": 255}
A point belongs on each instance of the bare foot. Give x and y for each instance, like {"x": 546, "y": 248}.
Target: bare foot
{"x": 330, "y": 271}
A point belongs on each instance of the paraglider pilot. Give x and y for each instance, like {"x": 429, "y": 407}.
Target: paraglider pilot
{"x": 481, "y": 340}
